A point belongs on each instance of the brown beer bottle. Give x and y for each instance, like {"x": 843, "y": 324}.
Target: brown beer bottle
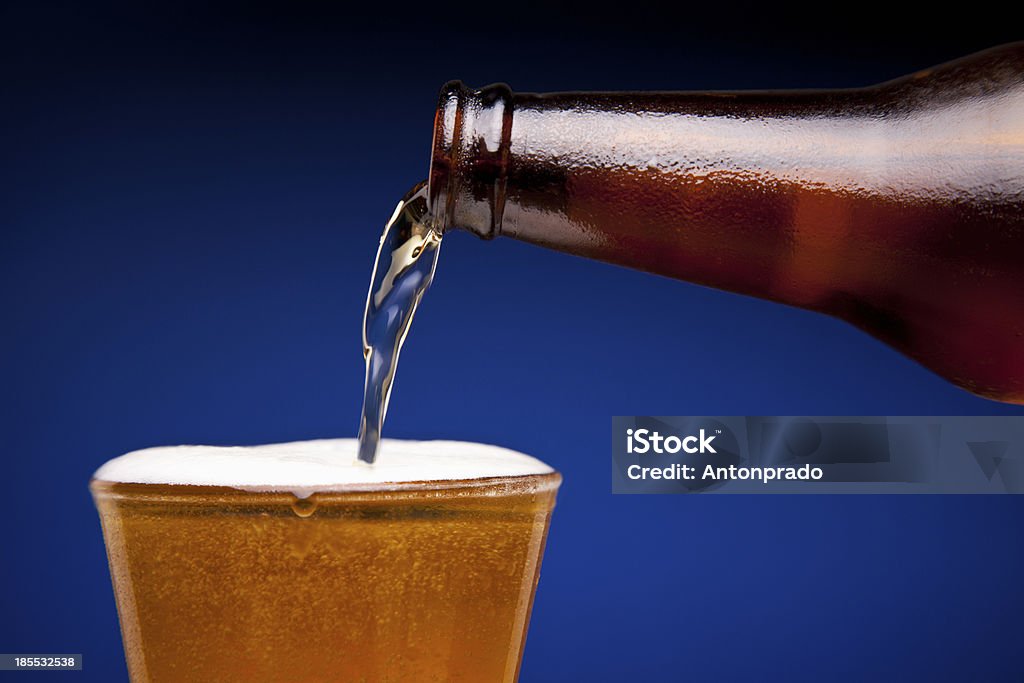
{"x": 898, "y": 207}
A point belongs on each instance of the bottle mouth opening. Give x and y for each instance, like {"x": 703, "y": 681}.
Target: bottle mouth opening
{"x": 469, "y": 158}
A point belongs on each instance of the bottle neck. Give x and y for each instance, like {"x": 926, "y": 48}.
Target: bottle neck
{"x": 470, "y": 159}
{"x": 536, "y": 167}
{"x": 541, "y": 168}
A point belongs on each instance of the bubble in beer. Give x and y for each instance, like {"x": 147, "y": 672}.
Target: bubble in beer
{"x": 305, "y": 507}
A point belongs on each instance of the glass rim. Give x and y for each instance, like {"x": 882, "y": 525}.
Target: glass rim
{"x": 489, "y": 487}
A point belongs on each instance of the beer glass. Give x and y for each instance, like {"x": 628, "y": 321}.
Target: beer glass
{"x": 408, "y": 581}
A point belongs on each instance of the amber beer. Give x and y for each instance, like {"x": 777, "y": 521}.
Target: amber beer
{"x": 897, "y": 207}
{"x": 380, "y": 581}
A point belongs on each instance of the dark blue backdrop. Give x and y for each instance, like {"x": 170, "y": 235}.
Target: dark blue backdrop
{"x": 191, "y": 200}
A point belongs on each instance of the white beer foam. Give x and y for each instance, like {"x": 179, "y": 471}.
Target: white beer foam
{"x": 304, "y": 467}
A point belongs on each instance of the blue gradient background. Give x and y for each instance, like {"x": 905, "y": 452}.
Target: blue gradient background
{"x": 191, "y": 199}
